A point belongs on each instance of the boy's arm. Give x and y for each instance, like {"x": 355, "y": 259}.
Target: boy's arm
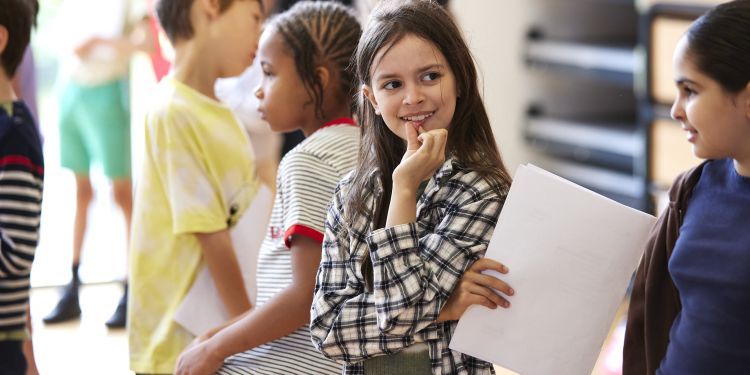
{"x": 284, "y": 313}
{"x": 221, "y": 260}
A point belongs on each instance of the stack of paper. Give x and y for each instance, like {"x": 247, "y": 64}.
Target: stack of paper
{"x": 571, "y": 253}
{"x": 202, "y": 308}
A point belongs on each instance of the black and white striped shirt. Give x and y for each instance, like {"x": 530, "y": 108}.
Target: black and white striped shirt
{"x": 305, "y": 183}
{"x": 21, "y": 179}
{"x": 415, "y": 268}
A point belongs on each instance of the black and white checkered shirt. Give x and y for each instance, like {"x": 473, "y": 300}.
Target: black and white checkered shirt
{"x": 415, "y": 267}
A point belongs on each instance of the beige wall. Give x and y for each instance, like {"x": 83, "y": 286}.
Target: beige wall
{"x": 495, "y": 33}
{"x": 644, "y": 4}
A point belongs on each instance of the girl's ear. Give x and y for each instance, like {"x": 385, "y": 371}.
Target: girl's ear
{"x": 324, "y": 75}
{"x": 3, "y": 39}
{"x": 367, "y": 91}
{"x": 747, "y": 101}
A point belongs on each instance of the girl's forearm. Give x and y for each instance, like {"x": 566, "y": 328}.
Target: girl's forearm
{"x": 226, "y": 324}
{"x": 285, "y": 313}
{"x": 403, "y": 206}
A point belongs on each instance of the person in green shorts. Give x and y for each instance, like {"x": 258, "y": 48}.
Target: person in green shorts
{"x": 94, "y": 120}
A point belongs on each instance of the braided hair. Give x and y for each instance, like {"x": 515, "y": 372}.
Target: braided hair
{"x": 320, "y": 33}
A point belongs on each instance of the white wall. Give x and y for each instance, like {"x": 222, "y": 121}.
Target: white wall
{"x": 495, "y": 31}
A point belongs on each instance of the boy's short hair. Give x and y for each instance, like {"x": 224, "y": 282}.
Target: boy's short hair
{"x": 17, "y": 17}
{"x": 174, "y": 17}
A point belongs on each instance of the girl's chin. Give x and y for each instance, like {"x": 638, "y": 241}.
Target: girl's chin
{"x": 700, "y": 153}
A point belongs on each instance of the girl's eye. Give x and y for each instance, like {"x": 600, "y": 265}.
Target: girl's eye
{"x": 390, "y": 85}
{"x": 688, "y": 91}
{"x": 431, "y": 76}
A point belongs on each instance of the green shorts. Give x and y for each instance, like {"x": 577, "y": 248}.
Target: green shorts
{"x": 95, "y": 128}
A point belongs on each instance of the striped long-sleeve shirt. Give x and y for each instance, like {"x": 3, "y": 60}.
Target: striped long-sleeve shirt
{"x": 21, "y": 180}
{"x": 415, "y": 268}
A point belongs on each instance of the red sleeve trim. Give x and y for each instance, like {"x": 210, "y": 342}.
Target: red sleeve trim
{"x": 301, "y": 230}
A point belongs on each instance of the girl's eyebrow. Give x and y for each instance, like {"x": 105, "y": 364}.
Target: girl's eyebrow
{"x": 388, "y": 75}
{"x": 685, "y": 81}
{"x": 432, "y": 67}
{"x": 384, "y": 76}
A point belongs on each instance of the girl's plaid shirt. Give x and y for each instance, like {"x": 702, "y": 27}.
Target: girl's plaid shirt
{"x": 415, "y": 266}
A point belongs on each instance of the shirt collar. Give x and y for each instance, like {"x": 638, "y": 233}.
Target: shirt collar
{"x": 339, "y": 121}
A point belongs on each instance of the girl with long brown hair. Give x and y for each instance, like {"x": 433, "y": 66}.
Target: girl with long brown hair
{"x": 407, "y": 230}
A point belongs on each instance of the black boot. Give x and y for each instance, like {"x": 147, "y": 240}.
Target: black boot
{"x": 68, "y": 307}
{"x": 118, "y": 319}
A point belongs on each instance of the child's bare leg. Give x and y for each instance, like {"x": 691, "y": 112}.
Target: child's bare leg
{"x": 68, "y": 307}
{"x": 123, "y": 196}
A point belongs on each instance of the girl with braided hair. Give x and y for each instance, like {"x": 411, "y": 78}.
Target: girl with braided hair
{"x": 305, "y": 56}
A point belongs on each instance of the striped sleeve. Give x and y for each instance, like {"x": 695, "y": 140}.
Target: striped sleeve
{"x": 20, "y": 212}
{"x": 309, "y": 183}
{"x": 21, "y": 179}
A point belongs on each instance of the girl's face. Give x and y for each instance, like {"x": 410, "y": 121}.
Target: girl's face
{"x": 717, "y": 122}
{"x": 283, "y": 101}
{"x": 412, "y": 81}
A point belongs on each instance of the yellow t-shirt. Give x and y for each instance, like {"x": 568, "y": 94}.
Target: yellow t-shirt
{"x": 198, "y": 177}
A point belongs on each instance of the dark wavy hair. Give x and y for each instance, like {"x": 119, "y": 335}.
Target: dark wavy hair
{"x": 17, "y": 17}
{"x": 319, "y": 33}
{"x": 719, "y": 44}
{"x": 470, "y": 138}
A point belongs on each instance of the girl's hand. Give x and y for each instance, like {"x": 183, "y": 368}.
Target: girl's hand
{"x": 196, "y": 341}
{"x": 198, "y": 359}
{"x": 425, "y": 153}
{"x": 476, "y": 288}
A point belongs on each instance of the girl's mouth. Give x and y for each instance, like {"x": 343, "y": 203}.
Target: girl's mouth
{"x": 691, "y": 133}
{"x": 418, "y": 118}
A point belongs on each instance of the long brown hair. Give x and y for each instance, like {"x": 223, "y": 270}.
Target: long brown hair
{"x": 470, "y": 138}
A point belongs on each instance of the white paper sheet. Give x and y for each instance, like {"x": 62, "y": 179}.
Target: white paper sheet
{"x": 202, "y": 308}
{"x": 571, "y": 253}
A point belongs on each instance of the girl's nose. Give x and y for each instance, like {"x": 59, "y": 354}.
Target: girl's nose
{"x": 413, "y": 95}
{"x": 677, "y": 111}
{"x": 258, "y": 92}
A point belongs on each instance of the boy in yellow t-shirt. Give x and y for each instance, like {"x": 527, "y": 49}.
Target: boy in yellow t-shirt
{"x": 198, "y": 177}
